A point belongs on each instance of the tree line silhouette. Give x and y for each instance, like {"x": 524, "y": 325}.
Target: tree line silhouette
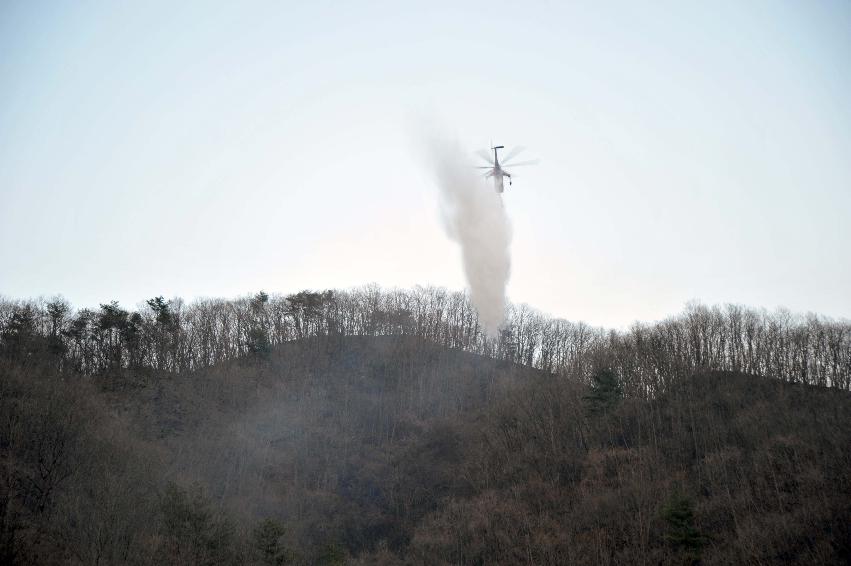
{"x": 173, "y": 336}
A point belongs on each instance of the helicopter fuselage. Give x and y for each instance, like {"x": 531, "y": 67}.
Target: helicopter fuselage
{"x": 498, "y": 173}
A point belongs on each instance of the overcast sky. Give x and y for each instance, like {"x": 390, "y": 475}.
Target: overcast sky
{"x": 199, "y": 149}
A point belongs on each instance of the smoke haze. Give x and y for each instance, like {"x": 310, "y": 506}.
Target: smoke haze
{"x": 474, "y": 217}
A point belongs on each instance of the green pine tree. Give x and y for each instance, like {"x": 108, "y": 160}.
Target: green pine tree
{"x": 681, "y": 533}
{"x": 267, "y": 539}
{"x": 606, "y": 392}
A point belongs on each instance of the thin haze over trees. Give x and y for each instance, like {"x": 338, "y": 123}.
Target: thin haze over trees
{"x": 364, "y": 427}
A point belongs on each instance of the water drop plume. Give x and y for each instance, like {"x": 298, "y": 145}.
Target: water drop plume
{"x": 474, "y": 217}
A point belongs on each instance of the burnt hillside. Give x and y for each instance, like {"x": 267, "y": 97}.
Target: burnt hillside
{"x": 395, "y": 449}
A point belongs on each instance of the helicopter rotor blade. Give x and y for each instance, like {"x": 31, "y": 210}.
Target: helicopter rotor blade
{"x": 513, "y": 153}
{"x": 483, "y": 153}
{"x": 523, "y": 163}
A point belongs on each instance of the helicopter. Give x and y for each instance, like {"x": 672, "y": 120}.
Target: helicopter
{"x": 495, "y": 169}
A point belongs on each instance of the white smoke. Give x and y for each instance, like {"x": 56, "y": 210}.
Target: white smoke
{"x": 475, "y": 218}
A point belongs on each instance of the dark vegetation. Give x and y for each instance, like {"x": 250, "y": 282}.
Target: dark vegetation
{"x": 374, "y": 427}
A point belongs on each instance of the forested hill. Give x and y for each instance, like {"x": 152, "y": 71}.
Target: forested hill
{"x": 176, "y": 337}
{"x": 259, "y": 432}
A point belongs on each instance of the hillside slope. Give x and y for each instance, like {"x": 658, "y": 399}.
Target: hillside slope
{"x": 395, "y": 450}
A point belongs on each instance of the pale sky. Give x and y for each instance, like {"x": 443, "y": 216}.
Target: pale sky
{"x": 688, "y": 150}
